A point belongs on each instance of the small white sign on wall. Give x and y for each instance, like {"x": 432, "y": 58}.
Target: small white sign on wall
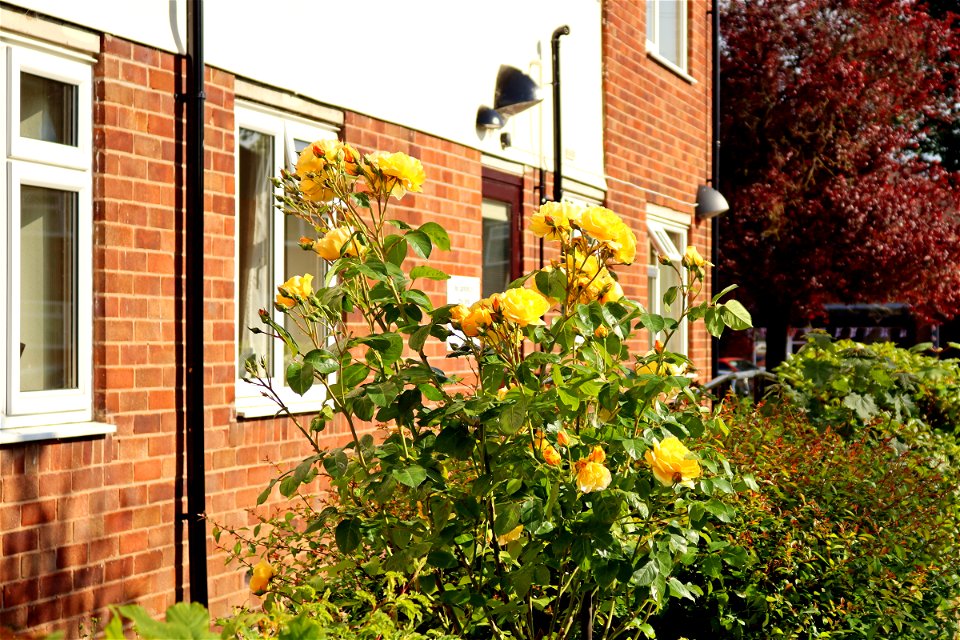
{"x": 463, "y": 290}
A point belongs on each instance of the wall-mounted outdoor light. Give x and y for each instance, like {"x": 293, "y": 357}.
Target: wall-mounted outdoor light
{"x": 710, "y": 203}
{"x": 515, "y": 92}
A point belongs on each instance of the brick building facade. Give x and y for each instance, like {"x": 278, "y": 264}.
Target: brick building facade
{"x": 92, "y": 515}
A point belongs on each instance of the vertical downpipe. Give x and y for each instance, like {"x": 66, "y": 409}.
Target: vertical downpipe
{"x": 194, "y": 315}
{"x": 557, "y": 138}
{"x": 715, "y": 162}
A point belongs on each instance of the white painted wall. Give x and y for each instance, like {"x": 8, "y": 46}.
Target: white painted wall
{"x": 424, "y": 64}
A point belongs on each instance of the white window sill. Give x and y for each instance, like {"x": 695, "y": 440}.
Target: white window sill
{"x": 260, "y": 406}
{"x": 656, "y": 57}
{"x": 16, "y": 435}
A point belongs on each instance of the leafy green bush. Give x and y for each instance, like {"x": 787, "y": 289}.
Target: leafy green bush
{"x": 854, "y": 538}
{"x": 843, "y": 385}
{"x": 551, "y": 489}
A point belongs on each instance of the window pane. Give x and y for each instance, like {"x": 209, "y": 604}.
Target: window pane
{"x": 670, "y": 25}
{"x": 255, "y": 206}
{"x": 48, "y": 110}
{"x": 496, "y": 246}
{"x": 48, "y": 309}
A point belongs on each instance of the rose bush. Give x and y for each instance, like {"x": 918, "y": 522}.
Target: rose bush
{"x": 560, "y": 486}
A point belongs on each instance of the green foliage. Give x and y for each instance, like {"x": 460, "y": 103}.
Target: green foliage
{"x": 188, "y": 621}
{"x": 844, "y": 385}
{"x": 505, "y": 504}
{"x": 855, "y": 538}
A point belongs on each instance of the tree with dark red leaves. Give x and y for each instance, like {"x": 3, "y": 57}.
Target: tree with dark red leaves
{"x": 828, "y": 108}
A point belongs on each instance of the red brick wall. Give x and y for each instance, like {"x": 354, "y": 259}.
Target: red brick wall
{"x": 657, "y": 135}
{"x": 93, "y": 522}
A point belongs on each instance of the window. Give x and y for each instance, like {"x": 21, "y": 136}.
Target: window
{"x": 268, "y": 250}
{"x": 667, "y": 239}
{"x": 46, "y": 236}
{"x": 667, "y": 32}
{"x": 501, "y": 212}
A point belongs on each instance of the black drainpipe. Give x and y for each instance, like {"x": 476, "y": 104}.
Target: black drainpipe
{"x": 193, "y": 332}
{"x": 557, "y": 150}
{"x": 715, "y": 161}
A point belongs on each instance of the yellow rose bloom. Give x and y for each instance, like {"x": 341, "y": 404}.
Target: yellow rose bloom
{"x": 591, "y": 476}
{"x": 400, "y": 172}
{"x": 458, "y": 313}
{"x": 693, "y": 259}
{"x": 262, "y": 572}
{"x": 478, "y": 319}
{"x": 670, "y": 463}
{"x": 550, "y": 455}
{"x": 624, "y": 245}
{"x": 297, "y": 287}
{"x": 552, "y": 220}
{"x": 318, "y": 164}
{"x": 562, "y": 438}
{"x": 611, "y": 292}
{"x": 510, "y": 536}
{"x": 331, "y": 246}
{"x": 601, "y": 223}
{"x": 523, "y": 306}
{"x": 597, "y": 455}
{"x": 284, "y": 301}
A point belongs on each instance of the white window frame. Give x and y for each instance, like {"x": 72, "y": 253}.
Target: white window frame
{"x": 62, "y": 413}
{"x": 659, "y": 225}
{"x": 286, "y": 130}
{"x": 653, "y": 47}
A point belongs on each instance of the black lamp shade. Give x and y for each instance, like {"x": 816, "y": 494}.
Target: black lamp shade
{"x": 488, "y": 118}
{"x": 516, "y": 91}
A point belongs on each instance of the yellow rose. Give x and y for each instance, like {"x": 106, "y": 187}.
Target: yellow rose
{"x": 550, "y": 455}
{"x": 624, "y": 245}
{"x": 601, "y": 223}
{"x": 318, "y": 165}
{"x": 262, "y": 572}
{"x": 400, "y": 173}
{"x": 562, "y": 438}
{"x": 600, "y": 332}
{"x": 671, "y": 464}
{"x": 612, "y": 292}
{"x": 597, "y": 455}
{"x": 510, "y": 536}
{"x": 523, "y": 306}
{"x": 591, "y": 476}
{"x": 458, "y": 313}
{"x": 331, "y": 246}
{"x": 478, "y": 319}
{"x": 692, "y": 258}
{"x": 552, "y": 221}
{"x": 284, "y": 301}
{"x": 299, "y": 287}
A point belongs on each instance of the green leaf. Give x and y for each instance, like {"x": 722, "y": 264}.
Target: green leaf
{"x": 322, "y": 361}
{"x": 353, "y": 375}
{"x": 679, "y": 590}
{"x": 713, "y": 320}
{"x": 652, "y": 322}
{"x": 670, "y": 296}
{"x": 191, "y": 616}
{"x": 423, "y": 271}
{"x": 735, "y": 315}
{"x": 645, "y": 574}
{"x": 419, "y": 337}
{"x": 395, "y": 249}
{"x": 717, "y": 297}
{"x": 421, "y": 243}
{"x": 300, "y": 628}
{"x": 442, "y": 559}
{"x": 336, "y": 464}
{"x": 508, "y": 517}
{"x": 300, "y": 377}
{"x": 437, "y": 234}
{"x": 382, "y": 394}
{"x": 347, "y": 534}
{"x": 412, "y": 476}
{"x": 864, "y": 406}
{"x": 513, "y": 416}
